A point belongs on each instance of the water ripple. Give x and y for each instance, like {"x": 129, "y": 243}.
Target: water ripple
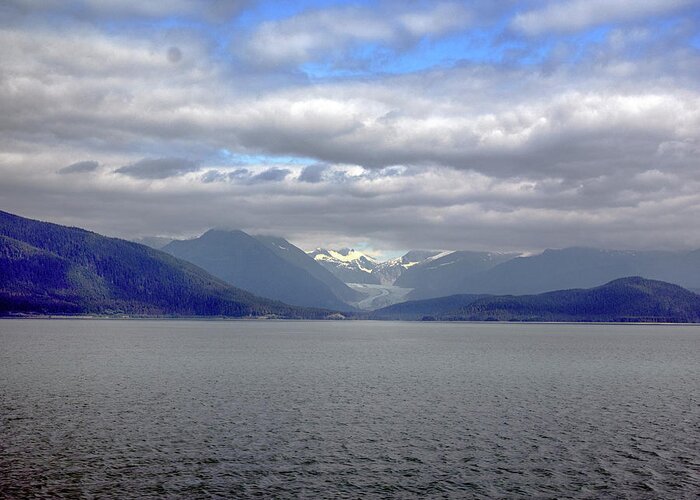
{"x": 347, "y": 410}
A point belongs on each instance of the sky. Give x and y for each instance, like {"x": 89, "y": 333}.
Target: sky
{"x": 385, "y": 125}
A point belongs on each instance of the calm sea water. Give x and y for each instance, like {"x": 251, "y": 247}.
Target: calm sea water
{"x": 348, "y": 409}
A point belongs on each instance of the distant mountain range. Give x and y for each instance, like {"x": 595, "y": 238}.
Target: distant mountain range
{"x": 266, "y": 266}
{"x": 627, "y": 299}
{"x": 431, "y": 274}
{"x": 51, "y": 269}
{"x": 548, "y": 271}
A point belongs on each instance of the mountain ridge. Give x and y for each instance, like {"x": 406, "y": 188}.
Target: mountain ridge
{"x": 298, "y": 257}
{"x": 583, "y": 267}
{"x": 446, "y": 273}
{"x": 626, "y": 299}
{"x": 260, "y": 267}
{"x": 347, "y": 264}
{"x": 47, "y": 268}
{"x": 353, "y": 266}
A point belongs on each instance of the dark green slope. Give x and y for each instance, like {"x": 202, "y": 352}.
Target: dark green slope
{"x": 47, "y": 268}
{"x": 242, "y": 261}
{"x": 625, "y": 299}
{"x": 424, "y": 309}
{"x": 32, "y": 279}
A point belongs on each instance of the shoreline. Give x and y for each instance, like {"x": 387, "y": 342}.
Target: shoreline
{"x": 248, "y": 318}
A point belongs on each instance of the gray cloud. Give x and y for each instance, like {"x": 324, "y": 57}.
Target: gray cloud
{"x": 213, "y": 176}
{"x": 434, "y": 207}
{"x": 239, "y": 173}
{"x": 211, "y": 10}
{"x": 158, "y": 168}
{"x": 313, "y": 173}
{"x": 273, "y": 174}
{"x": 174, "y": 55}
{"x": 245, "y": 175}
{"x": 80, "y": 167}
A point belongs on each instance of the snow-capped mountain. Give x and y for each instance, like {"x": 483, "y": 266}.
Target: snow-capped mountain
{"x": 353, "y": 266}
{"x": 350, "y": 265}
{"x": 388, "y": 272}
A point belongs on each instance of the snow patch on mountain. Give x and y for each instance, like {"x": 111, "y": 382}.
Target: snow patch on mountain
{"x": 348, "y": 255}
{"x": 348, "y": 264}
{"x": 437, "y": 256}
{"x": 354, "y": 266}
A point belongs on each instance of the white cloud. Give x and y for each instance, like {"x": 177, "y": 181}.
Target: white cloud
{"x": 574, "y": 15}
{"x": 444, "y": 18}
{"x": 305, "y": 36}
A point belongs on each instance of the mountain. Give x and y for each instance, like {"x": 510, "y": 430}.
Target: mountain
{"x": 389, "y": 271}
{"x": 296, "y": 256}
{"x": 584, "y": 268}
{"x": 499, "y": 274}
{"x": 352, "y": 266}
{"x": 448, "y": 273}
{"x": 347, "y": 264}
{"x": 156, "y": 242}
{"x": 625, "y": 299}
{"x": 52, "y": 269}
{"x": 423, "y": 309}
{"x": 251, "y": 264}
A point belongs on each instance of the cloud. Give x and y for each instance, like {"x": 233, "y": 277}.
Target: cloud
{"x": 441, "y": 19}
{"x": 532, "y": 136}
{"x": 312, "y": 34}
{"x": 273, "y": 174}
{"x": 313, "y": 173}
{"x": 437, "y": 207}
{"x": 245, "y": 175}
{"x": 213, "y": 176}
{"x": 174, "y": 55}
{"x": 574, "y": 15}
{"x": 211, "y": 10}
{"x": 158, "y": 168}
{"x": 240, "y": 174}
{"x": 80, "y": 167}
{"x": 576, "y": 141}
{"x": 575, "y": 122}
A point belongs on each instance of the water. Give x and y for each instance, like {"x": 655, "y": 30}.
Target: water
{"x": 347, "y": 409}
